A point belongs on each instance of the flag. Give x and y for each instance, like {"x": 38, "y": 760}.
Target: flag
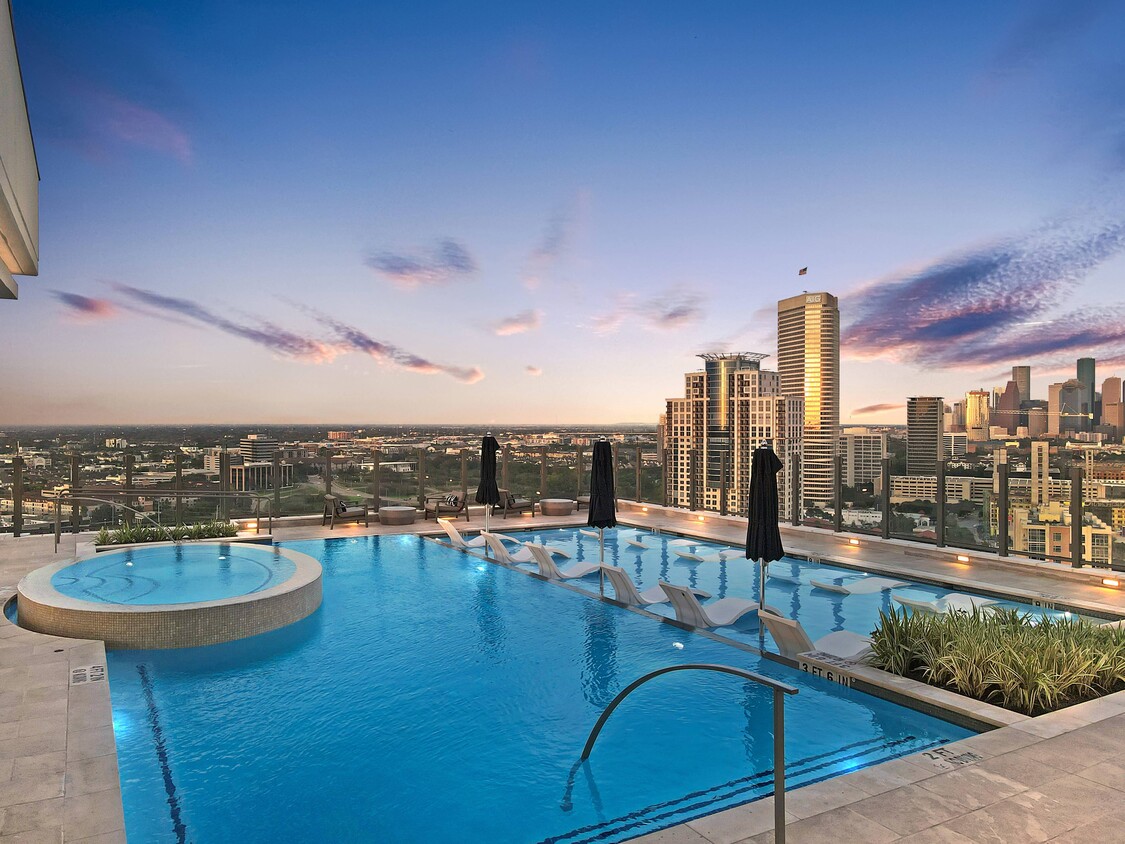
{"x": 803, "y": 271}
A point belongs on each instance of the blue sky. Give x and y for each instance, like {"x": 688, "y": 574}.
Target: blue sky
{"x": 455, "y": 212}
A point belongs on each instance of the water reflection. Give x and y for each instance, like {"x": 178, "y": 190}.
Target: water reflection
{"x": 599, "y": 666}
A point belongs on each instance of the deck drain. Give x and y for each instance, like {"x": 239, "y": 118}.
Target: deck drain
{"x": 87, "y": 674}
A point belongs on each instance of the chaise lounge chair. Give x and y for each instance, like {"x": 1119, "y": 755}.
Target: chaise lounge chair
{"x": 859, "y": 586}
{"x": 633, "y": 543}
{"x": 626, "y": 591}
{"x": 510, "y": 503}
{"x": 458, "y": 541}
{"x": 802, "y": 577}
{"x": 792, "y": 640}
{"x": 541, "y": 554}
{"x": 720, "y": 557}
{"x": 952, "y": 602}
{"x": 723, "y": 613}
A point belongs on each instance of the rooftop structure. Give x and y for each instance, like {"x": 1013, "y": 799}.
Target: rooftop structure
{"x": 19, "y": 170}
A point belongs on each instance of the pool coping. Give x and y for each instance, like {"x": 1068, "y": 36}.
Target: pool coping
{"x": 162, "y": 626}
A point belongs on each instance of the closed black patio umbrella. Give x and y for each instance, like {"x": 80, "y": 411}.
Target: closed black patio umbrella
{"x": 603, "y": 506}
{"x": 763, "y": 536}
{"x": 488, "y": 493}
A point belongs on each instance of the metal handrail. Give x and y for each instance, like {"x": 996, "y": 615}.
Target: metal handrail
{"x": 60, "y": 500}
{"x": 779, "y": 691}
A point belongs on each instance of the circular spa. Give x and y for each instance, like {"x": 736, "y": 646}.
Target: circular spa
{"x": 172, "y": 595}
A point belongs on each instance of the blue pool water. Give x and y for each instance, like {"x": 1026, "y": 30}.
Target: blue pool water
{"x": 174, "y": 574}
{"x": 820, "y": 612}
{"x": 437, "y": 697}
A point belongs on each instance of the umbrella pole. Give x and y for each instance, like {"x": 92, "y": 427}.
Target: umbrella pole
{"x": 601, "y": 561}
{"x": 761, "y": 603}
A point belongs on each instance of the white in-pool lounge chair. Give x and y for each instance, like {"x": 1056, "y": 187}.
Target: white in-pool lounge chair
{"x": 720, "y": 557}
{"x": 803, "y": 576}
{"x": 541, "y": 555}
{"x": 459, "y": 541}
{"x": 519, "y": 555}
{"x": 687, "y": 555}
{"x": 859, "y": 586}
{"x": 723, "y": 613}
{"x": 635, "y": 544}
{"x": 792, "y": 640}
{"x": 684, "y": 542}
{"x": 952, "y": 602}
{"x": 627, "y": 593}
{"x": 1114, "y": 624}
{"x": 593, "y": 534}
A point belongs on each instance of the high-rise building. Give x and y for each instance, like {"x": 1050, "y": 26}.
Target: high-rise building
{"x": 1065, "y": 401}
{"x": 1022, "y": 376}
{"x": 1008, "y": 408}
{"x": 257, "y": 448}
{"x": 925, "y": 444}
{"x": 957, "y": 416}
{"x": 1112, "y": 406}
{"x": 728, "y": 410}
{"x": 977, "y": 418}
{"x": 862, "y": 451}
{"x": 1040, "y": 472}
{"x": 19, "y": 197}
{"x": 808, "y": 360}
{"x": 956, "y": 444}
{"x": 1086, "y": 374}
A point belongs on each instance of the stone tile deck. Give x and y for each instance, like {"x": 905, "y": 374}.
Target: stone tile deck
{"x": 1057, "y": 778}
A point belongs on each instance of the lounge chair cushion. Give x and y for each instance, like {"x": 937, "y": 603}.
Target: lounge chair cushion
{"x": 453, "y": 499}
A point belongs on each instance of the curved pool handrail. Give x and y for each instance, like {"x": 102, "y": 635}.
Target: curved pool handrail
{"x": 779, "y": 690}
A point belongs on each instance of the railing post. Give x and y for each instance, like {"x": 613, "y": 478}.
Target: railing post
{"x": 75, "y": 506}
{"x": 328, "y": 470}
{"x": 1076, "y": 536}
{"x": 795, "y": 488}
{"x": 179, "y": 486}
{"x": 616, "y": 486}
{"x": 276, "y": 472}
{"x": 723, "y": 484}
{"x": 465, "y": 480}
{"x": 939, "y": 502}
{"x": 224, "y": 484}
{"x": 128, "y": 514}
{"x": 542, "y": 473}
{"x": 505, "y": 456}
{"x": 838, "y": 492}
{"x": 578, "y": 472}
{"x": 885, "y": 482}
{"x": 17, "y": 496}
{"x": 376, "y": 459}
{"x": 422, "y": 478}
{"x": 664, "y": 462}
{"x": 58, "y": 522}
{"x": 639, "y": 496}
{"x": 1002, "y": 505}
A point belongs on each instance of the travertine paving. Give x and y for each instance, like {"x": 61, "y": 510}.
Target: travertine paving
{"x": 1055, "y": 778}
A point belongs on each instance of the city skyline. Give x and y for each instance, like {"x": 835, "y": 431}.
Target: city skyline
{"x": 467, "y": 230}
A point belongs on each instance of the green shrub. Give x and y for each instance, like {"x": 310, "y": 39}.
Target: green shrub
{"x": 133, "y": 534}
{"x": 1023, "y": 663}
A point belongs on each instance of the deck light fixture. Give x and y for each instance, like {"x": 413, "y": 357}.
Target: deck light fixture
{"x": 962, "y": 558}
{"x": 853, "y": 541}
{"x": 1110, "y": 581}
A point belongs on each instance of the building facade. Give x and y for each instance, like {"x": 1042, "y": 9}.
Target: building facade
{"x": 257, "y": 448}
{"x": 977, "y": 415}
{"x": 1065, "y": 401}
{"x": 924, "y": 441}
{"x": 728, "y": 410}
{"x": 808, "y": 361}
{"x": 1022, "y": 376}
{"x": 862, "y": 452}
{"x": 19, "y": 170}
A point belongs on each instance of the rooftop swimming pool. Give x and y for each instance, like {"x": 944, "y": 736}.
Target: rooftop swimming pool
{"x": 174, "y": 574}
{"x": 820, "y": 611}
{"x": 438, "y": 697}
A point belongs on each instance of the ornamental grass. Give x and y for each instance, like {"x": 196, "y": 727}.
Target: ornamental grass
{"x": 1023, "y": 663}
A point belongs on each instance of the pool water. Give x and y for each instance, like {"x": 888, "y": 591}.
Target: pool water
{"x": 820, "y": 612}
{"x": 174, "y": 574}
{"x": 438, "y": 697}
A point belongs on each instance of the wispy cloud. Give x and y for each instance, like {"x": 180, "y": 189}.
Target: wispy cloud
{"x": 354, "y": 339}
{"x": 85, "y": 308}
{"x": 1043, "y": 31}
{"x": 668, "y": 312}
{"x": 987, "y": 306}
{"x": 868, "y": 410}
{"x": 285, "y": 343}
{"x": 520, "y": 323}
{"x": 555, "y": 241}
{"x": 534, "y": 371}
{"x": 441, "y": 263}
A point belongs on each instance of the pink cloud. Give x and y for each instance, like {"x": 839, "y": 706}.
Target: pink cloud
{"x": 520, "y": 323}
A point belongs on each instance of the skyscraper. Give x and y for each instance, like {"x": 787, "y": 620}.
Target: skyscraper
{"x": 1086, "y": 368}
{"x": 1064, "y": 408}
{"x": 1008, "y": 408}
{"x": 1112, "y": 405}
{"x": 1022, "y": 376}
{"x": 808, "y": 360}
{"x": 924, "y": 441}
{"x": 1040, "y": 473}
{"x": 728, "y": 410}
{"x": 863, "y": 453}
{"x": 977, "y": 418}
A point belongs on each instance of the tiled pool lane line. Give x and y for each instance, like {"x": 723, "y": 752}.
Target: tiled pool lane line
{"x": 1059, "y": 777}
{"x": 58, "y": 759}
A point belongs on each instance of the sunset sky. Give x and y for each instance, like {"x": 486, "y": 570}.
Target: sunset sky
{"x": 533, "y": 213}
